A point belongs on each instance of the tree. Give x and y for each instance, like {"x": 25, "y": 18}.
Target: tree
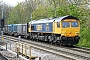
{"x": 39, "y": 13}
{"x": 7, "y": 10}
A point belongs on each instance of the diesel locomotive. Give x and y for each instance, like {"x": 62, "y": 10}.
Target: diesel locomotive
{"x": 62, "y": 30}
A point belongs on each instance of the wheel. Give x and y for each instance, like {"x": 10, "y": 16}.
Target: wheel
{"x": 51, "y": 42}
{"x": 55, "y": 43}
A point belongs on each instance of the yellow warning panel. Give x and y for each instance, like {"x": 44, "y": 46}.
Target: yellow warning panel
{"x": 24, "y": 52}
{"x": 2, "y": 38}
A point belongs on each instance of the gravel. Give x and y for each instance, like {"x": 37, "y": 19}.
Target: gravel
{"x": 35, "y": 52}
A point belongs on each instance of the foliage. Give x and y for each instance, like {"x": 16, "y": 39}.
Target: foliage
{"x": 16, "y": 15}
{"x": 6, "y": 10}
{"x": 85, "y": 40}
{"x": 40, "y": 13}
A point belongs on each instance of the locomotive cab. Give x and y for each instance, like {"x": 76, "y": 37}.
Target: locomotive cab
{"x": 70, "y": 28}
{"x": 70, "y": 31}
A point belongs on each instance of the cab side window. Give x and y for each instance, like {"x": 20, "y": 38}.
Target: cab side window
{"x": 28, "y": 25}
{"x": 58, "y": 24}
{"x": 47, "y": 26}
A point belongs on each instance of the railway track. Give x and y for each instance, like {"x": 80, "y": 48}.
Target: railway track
{"x": 87, "y": 50}
{"x": 67, "y": 52}
{"x": 81, "y": 49}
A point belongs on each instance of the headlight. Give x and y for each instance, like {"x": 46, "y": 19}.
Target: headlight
{"x": 77, "y": 33}
{"x": 63, "y": 34}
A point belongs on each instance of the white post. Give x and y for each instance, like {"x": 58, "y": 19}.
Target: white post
{"x": 19, "y": 38}
{"x": 18, "y": 46}
{"x": 2, "y": 12}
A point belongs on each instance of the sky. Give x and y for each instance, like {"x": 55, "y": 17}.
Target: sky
{"x": 12, "y": 2}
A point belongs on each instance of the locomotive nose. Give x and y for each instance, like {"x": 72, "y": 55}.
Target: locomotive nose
{"x": 70, "y": 32}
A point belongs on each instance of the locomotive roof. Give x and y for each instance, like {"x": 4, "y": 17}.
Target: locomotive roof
{"x": 47, "y": 20}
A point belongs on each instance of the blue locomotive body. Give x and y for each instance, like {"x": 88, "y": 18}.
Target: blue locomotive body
{"x": 43, "y": 27}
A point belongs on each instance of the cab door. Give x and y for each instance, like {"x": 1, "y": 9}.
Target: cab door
{"x": 57, "y": 27}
